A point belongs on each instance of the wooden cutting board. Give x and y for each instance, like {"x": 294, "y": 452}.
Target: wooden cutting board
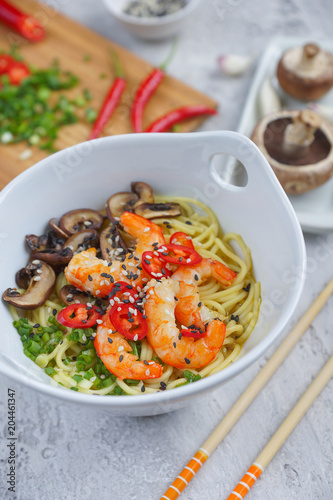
{"x": 70, "y": 43}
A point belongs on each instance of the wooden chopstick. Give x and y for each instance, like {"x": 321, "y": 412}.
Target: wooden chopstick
{"x": 247, "y": 397}
{"x": 285, "y": 429}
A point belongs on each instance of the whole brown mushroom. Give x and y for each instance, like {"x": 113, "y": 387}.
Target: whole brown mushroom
{"x": 306, "y": 73}
{"x": 299, "y": 147}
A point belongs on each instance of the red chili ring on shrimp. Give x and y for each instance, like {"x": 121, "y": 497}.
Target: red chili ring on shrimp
{"x": 183, "y": 256}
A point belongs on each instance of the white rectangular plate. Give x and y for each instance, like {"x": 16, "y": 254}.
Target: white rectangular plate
{"x": 315, "y": 208}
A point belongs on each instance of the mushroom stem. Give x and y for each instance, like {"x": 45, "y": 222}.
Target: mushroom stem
{"x": 300, "y": 134}
{"x": 308, "y": 59}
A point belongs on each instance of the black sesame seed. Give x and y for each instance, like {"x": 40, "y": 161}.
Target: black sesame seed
{"x": 89, "y": 277}
{"x": 147, "y": 262}
{"x": 187, "y": 361}
{"x": 146, "y": 362}
{"x": 174, "y": 345}
{"x": 196, "y": 277}
{"x": 110, "y": 341}
{"x": 144, "y": 316}
{"x": 188, "y": 222}
{"x": 121, "y": 357}
{"x": 83, "y": 321}
{"x": 123, "y": 266}
{"x": 180, "y": 335}
{"x": 199, "y": 304}
{"x": 37, "y": 325}
{"x": 143, "y": 388}
{"x": 169, "y": 226}
{"x": 176, "y": 299}
{"x": 247, "y": 288}
{"x": 91, "y": 337}
{"x": 130, "y": 320}
{"x": 180, "y": 259}
{"x": 70, "y": 299}
{"x": 130, "y": 287}
{"x": 54, "y": 312}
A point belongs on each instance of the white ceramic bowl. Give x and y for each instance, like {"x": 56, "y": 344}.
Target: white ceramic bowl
{"x": 174, "y": 164}
{"x": 156, "y": 28}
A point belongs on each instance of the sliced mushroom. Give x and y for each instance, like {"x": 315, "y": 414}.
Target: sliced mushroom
{"x": 42, "y": 280}
{"x": 53, "y": 257}
{"x": 306, "y": 72}
{"x": 120, "y": 203}
{"x": 155, "y": 210}
{"x": 144, "y": 192}
{"x": 77, "y": 220}
{"x": 299, "y": 147}
{"x": 54, "y": 224}
{"x": 82, "y": 240}
{"x": 48, "y": 240}
{"x": 111, "y": 243}
{"x": 71, "y": 295}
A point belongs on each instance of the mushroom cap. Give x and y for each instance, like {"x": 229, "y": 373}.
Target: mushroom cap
{"x": 306, "y": 173}
{"x": 302, "y": 81}
{"x": 77, "y": 220}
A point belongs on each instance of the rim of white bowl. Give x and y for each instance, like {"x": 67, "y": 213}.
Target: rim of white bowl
{"x": 203, "y": 385}
{"x": 151, "y": 21}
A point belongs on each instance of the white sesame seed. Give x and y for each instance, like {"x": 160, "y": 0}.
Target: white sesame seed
{"x": 39, "y": 271}
{"x": 119, "y": 309}
{"x": 188, "y": 260}
{"x": 36, "y": 262}
{"x": 120, "y": 348}
{"x": 183, "y": 327}
{"x": 112, "y": 302}
{"x": 70, "y": 296}
{"x": 77, "y": 301}
{"x": 105, "y": 262}
{"x": 135, "y": 338}
{"x": 131, "y": 310}
{"x": 146, "y": 230}
{"x": 131, "y": 299}
{"x": 87, "y": 223}
{"x": 99, "y": 321}
{"x": 37, "y": 278}
{"x": 84, "y": 338}
{"x": 101, "y": 283}
{"x": 102, "y": 376}
{"x": 97, "y": 292}
{"x": 147, "y": 372}
{"x": 145, "y": 280}
{"x": 93, "y": 379}
{"x": 116, "y": 299}
{"x": 109, "y": 331}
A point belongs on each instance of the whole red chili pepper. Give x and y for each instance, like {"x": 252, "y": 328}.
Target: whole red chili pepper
{"x": 26, "y": 25}
{"x": 111, "y": 100}
{"x": 146, "y": 90}
{"x": 164, "y": 123}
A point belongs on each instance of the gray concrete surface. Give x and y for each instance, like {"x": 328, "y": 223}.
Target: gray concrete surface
{"x": 66, "y": 453}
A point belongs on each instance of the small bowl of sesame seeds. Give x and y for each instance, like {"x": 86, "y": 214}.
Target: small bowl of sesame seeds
{"x": 152, "y": 19}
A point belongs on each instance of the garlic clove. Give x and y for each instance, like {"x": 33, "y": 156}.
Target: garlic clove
{"x": 235, "y": 65}
{"x": 268, "y": 98}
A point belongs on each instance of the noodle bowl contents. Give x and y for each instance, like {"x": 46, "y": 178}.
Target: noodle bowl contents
{"x": 149, "y": 296}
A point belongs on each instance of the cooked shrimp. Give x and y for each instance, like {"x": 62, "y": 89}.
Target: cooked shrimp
{"x": 93, "y": 275}
{"x": 165, "y": 337}
{"x": 203, "y": 270}
{"x": 189, "y": 309}
{"x": 114, "y": 351}
{"x": 148, "y": 234}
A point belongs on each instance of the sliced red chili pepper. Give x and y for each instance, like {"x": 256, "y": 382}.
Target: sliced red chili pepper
{"x": 195, "y": 333}
{"x": 183, "y": 239}
{"x": 5, "y": 62}
{"x": 17, "y": 72}
{"x": 79, "y": 316}
{"x": 111, "y": 100}
{"x": 123, "y": 291}
{"x": 131, "y": 325}
{"x": 183, "y": 256}
{"x": 164, "y": 123}
{"x": 26, "y": 25}
{"x": 154, "y": 266}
